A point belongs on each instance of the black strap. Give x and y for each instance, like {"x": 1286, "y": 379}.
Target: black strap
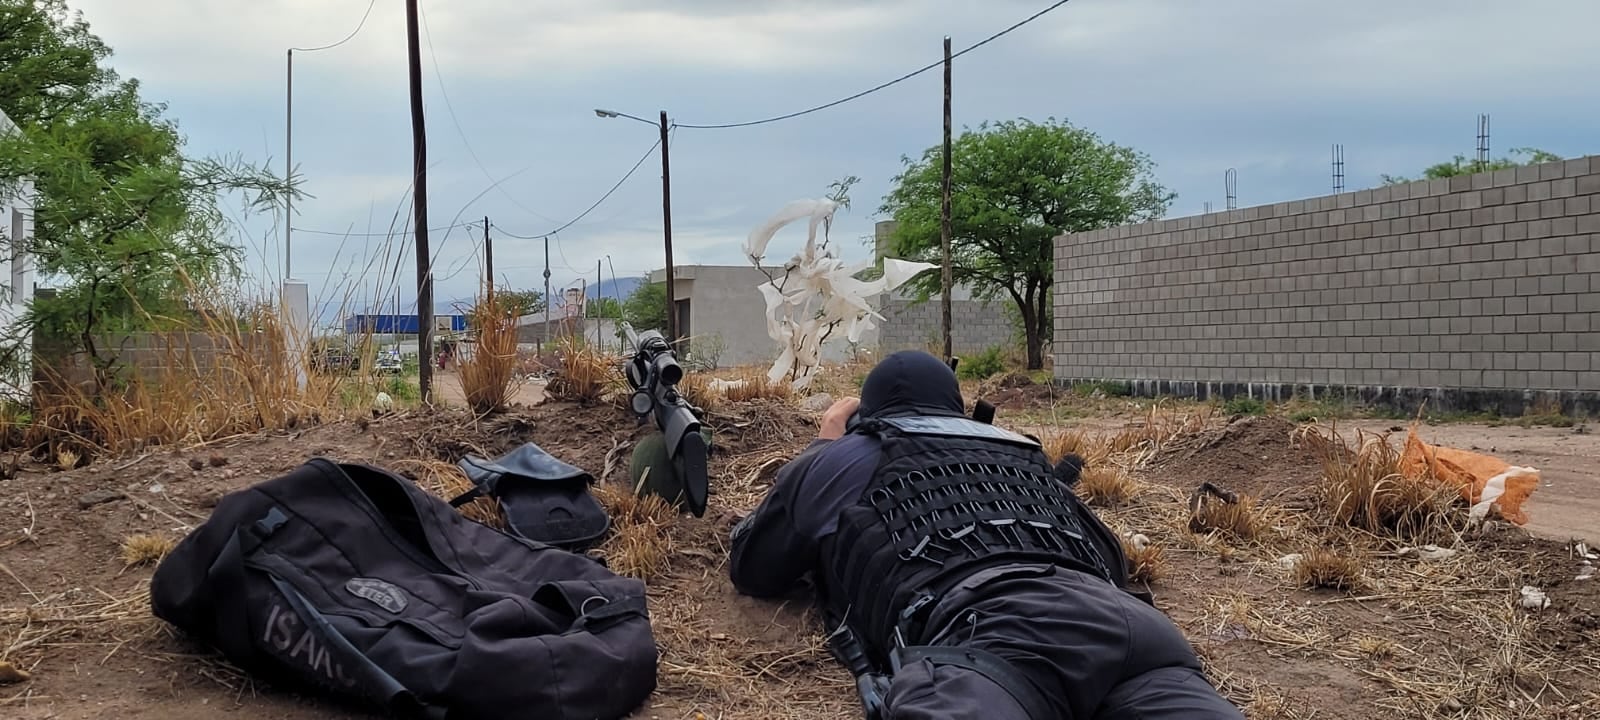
{"x": 608, "y": 608}
{"x": 985, "y": 663}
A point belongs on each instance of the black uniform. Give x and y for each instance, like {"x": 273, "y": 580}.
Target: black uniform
{"x": 950, "y": 550}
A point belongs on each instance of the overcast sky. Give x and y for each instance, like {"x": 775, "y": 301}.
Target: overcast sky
{"x": 1261, "y": 86}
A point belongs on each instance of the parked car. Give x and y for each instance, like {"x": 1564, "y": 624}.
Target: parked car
{"x": 388, "y": 364}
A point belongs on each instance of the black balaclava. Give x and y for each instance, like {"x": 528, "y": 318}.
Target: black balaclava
{"x": 911, "y": 382}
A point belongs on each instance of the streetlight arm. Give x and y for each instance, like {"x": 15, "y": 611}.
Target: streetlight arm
{"x": 614, "y": 114}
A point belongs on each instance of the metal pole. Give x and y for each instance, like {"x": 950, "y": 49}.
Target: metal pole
{"x": 419, "y": 158}
{"x": 599, "y": 315}
{"x": 666, "y": 226}
{"x": 944, "y": 209}
{"x": 288, "y": 165}
{"x": 546, "y": 291}
{"x": 488, "y": 254}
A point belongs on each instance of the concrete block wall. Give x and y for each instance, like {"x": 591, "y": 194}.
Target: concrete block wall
{"x": 1478, "y": 290}
{"x": 975, "y": 325}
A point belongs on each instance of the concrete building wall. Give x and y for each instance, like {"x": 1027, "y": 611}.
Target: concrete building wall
{"x": 726, "y": 310}
{"x": 1476, "y": 291}
{"x": 16, "y": 279}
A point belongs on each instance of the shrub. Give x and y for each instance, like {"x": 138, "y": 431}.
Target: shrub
{"x": 983, "y": 365}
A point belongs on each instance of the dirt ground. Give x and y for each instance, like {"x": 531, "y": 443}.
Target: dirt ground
{"x": 1427, "y": 640}
{"x": 449, "y": 392}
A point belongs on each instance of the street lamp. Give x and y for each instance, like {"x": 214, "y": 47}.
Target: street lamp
{"x": 666, "y": 214}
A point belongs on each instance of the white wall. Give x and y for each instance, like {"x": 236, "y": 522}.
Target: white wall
{"x": 16, "y": 279}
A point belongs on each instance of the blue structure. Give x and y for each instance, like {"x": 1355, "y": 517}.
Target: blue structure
{"x": 397, "y": 324}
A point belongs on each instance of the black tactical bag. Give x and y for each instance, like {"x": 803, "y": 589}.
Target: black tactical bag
{"x": 351, "y": 580}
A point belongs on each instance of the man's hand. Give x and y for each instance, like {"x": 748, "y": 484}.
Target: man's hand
{"x": 834, "y": 419}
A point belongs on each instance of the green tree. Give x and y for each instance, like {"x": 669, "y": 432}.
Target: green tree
{"x": 604, "y": 307}
{"x": 646, "y": 307}
{"x": 523, "y": 302}
{"x": 1015, "y": 186}
{"x": 130, "y": 224}
{"x": 1460, "y": 165}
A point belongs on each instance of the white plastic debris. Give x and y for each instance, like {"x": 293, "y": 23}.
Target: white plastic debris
{"x": 1288, "y": 562}
{"x": 1139, "y": 541}
{"x": 383, "y": 402}
{"x": 1582, "y": 550}
{"x": 817, "y": 292}
{"x": 1533, "y": 598}
{"x": 158, "y": 488}
{"x": 1427, "y": 552}
{"x": 718, "y": 385}
{"x": 1585, "y": 571}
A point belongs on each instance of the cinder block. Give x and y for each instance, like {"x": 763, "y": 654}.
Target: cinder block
{"x": 1589, "y": 184}
{"x": 1539, "y": 191}
{"x": 1564, "y": 188}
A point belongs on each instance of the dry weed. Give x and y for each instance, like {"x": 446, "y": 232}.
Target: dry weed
{"x": 1241, "y": 519}
{"x": 1376, "y": 648}
{"x": 67, "y": 459}
{"x": 1322, "y": 568}
{"x": 229, "y": 371}
{"x": 1105, "y": 486}
{"x": 1146, "y": 560}
{"x": 446, "y": 481}
{"x": 146, "y": 549}
{"x": 640, "y": 544}
{"x": 488, "y": 376}
{"x": 1363, "y": 488}
{"x": 1060, "y": 443}
{"x": 586, "y": 374}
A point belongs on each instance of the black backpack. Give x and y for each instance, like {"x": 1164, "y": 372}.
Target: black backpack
{"x": 351, "y": 580}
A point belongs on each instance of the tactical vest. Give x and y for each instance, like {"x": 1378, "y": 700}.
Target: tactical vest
{"x": 950, "y": 497}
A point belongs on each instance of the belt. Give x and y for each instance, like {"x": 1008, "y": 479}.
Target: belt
{"x": 991, "y": 666}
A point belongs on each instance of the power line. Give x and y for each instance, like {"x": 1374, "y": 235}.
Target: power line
{"x": 454, "y": 120}
{"x": 394, "y": 233}
{"x": 937, "y": 63}
{"x": 347, "y": 38}
{"x": 603, "y": 198}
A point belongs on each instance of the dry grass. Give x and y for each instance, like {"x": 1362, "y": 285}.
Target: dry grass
{"x": 1146, "y": 560}
{"x": 488, "y": 377}
{"x": 145, "y": 549}
{"x": 1105, "y": 486}
{"x": 1322, "y": 568}
{"x": 1241, "y": 519}
{"x": 1362, "y": 488}
{"x": 1060, "y": 443}
{"x": 640, "y": 544}
{"x": 447, "y": 481}
{"x": 716, "y": 391}
{"x": 586, "y": 373}
{"x": 247, "y": 380}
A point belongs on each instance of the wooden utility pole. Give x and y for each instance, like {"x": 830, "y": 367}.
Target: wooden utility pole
{"x": 488, "y": 254}
{"x": 419, "y": 144}
{"x": 546, "y": 292}
{"x": 944, "y": 209}
{"x": 666, "y": 224}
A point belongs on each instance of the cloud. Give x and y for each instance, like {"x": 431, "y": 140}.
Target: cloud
{"x": 1200, "y": 87}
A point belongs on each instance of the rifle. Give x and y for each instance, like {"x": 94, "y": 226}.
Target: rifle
{"x": 653, "y": 372}
{"x": 871, "y": 685}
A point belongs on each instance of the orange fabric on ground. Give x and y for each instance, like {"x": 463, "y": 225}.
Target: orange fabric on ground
{"x": 1470, "y": 473}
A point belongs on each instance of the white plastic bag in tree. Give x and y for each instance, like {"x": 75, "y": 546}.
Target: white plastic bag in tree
{"x": 817, "y": 292}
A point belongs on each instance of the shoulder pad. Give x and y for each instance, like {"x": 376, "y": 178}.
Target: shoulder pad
{"x": 956, "y": 427}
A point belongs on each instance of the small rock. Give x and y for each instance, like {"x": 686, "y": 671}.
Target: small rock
{"x": 158, "y": 488}
{"x": 817, "y": 403}
{"x": 10, "y": 674}
{"x": 98, "y": 497}
{"x": 196, "y": 463}
{"x": 217, "y": 460}
{"x": 1288, "y": 562}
